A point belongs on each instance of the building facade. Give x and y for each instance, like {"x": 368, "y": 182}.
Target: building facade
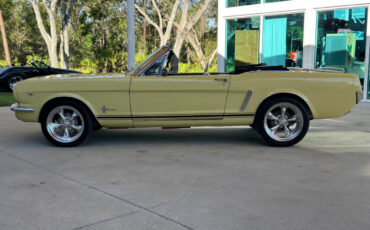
{"x": 311, "y": 34}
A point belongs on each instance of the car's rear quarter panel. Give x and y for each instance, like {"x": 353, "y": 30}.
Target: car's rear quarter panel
{"x": 328, "y": 95}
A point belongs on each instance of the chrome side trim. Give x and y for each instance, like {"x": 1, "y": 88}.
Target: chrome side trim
{"x": 246, "y": 100}
{"x": 15, "y": 108}
{"x": 177, "y": 118}
{"x": 180, "y": 117}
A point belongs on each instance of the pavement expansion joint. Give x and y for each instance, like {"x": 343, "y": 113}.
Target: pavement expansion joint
{"x": 98, "y": 190}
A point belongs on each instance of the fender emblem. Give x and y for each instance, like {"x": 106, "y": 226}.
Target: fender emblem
{"x": 106, "y": 109}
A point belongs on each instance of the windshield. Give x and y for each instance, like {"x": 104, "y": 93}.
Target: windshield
{"x": 143, "y": 63}
{"x": 2, "y": 70}
{"x": 148, "y": 59}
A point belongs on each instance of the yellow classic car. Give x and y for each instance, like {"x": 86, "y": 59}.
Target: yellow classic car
{"x": 278, "y": 102}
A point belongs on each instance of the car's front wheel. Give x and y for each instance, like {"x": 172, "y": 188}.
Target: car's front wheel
{"x": 67, "y": 124}
{"x": 12, "y": 81}
{"x": 283, "y": 121}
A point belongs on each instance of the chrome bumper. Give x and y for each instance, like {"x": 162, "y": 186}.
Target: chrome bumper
{"x": 16, "y": 108}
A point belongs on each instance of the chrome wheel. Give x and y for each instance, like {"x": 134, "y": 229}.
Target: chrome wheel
{"x": 13, "y": 80}
{"x": 65, "y": 124}
{"x": 283, "y": 122}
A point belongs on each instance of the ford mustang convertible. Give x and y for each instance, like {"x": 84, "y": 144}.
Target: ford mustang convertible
{"x": 278, "y": 102}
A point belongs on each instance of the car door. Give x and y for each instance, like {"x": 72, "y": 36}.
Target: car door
{"x": 178, "y": 97}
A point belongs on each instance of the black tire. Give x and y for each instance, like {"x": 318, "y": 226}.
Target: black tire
{"x": 97, "y": 127}
{"x": 12, "y": 80}
{"x": 302, "y": 125}
{"x": 84, "y": 118}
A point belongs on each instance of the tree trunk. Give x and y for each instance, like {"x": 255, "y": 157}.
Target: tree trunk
{"x": 185, "y": 26}
{"x": 66, "y": 47}
{"x": 53, "y": 54}
{"x": 5, "y": 41}
{"x": 164, "y": 36}
{"x": 144, "y": 36}
{"x": 61, "y": 52}
{"x": 64, "y": 36}
{"x": 203, "y": 22}
{"x": 51, "y": 39}
{"x": 194, "y": 42}
{"x": 180, "y": 36}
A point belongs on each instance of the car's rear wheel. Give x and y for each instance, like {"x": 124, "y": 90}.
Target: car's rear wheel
{"x": 66, "y": 124}
{"x": 282, "y": 122}
{"x": 13, "y": 80}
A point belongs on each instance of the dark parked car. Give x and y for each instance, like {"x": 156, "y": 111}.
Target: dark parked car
{"x": 9, "y": 76}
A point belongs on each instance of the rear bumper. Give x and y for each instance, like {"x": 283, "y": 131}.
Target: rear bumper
{"x": 16, "y": 108}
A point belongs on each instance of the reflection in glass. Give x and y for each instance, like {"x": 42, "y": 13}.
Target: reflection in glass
{"x": 283, "y": 40}
{"x": 368, "y": 83}
{"x": 341, "y": 40}
{"x": 242, "y": 42}
{"x": 267, "y": 1}
{"x": 232, "y": 3}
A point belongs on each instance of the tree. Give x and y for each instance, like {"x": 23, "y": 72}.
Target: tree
{"x": 96, "y": 38}
{"x": 163, "y": 34}
{"x": 64, "y": 37}
{"x": 98, "y": 35}
{"x": 5, "y": 40}
{"x": 51, "y": 39}
{"x": 184, "y": 23}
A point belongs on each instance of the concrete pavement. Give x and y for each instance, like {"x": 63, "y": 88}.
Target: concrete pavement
{"x": 201, "y": 178}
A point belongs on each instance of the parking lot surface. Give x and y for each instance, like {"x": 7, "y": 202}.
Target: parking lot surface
{"x": 199, "y": 178}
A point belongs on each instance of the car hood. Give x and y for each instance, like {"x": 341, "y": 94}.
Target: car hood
{"x": 71, "y": 83}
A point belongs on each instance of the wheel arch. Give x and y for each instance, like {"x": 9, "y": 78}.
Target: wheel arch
{"x": 6, "y": 77}
{"x": 61, "y": 99}
{"x": 297, "y": 97}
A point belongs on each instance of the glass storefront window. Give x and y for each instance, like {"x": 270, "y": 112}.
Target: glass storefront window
{"x": 341, "y": 40}
{"x": 283, "y": 40}
{"x": 233, "y": 3}
{"x": 368, "y": 83}
{"x": 242, "y": 42}
{"x": 267, "y": 1}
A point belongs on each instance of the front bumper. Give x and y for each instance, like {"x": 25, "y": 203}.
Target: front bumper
{"x": 15, "y": 107}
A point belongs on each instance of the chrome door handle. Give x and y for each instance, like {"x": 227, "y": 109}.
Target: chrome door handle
{"x": 224, "y": 80}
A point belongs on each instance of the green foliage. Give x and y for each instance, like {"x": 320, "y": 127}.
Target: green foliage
{"x": 6, "y": 99}
{"x": 194, "y": 68}
{"x": 140, "y": 58}
{"x": 3, "y": 63}
{"x": 97, "y": 35}
{"x": 36, "y": 58}
{"x": 87, "y": 65}
{"x": 22, "y": 32}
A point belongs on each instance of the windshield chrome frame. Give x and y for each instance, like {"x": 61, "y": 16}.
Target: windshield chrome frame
{"x": 165, "y": 56}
